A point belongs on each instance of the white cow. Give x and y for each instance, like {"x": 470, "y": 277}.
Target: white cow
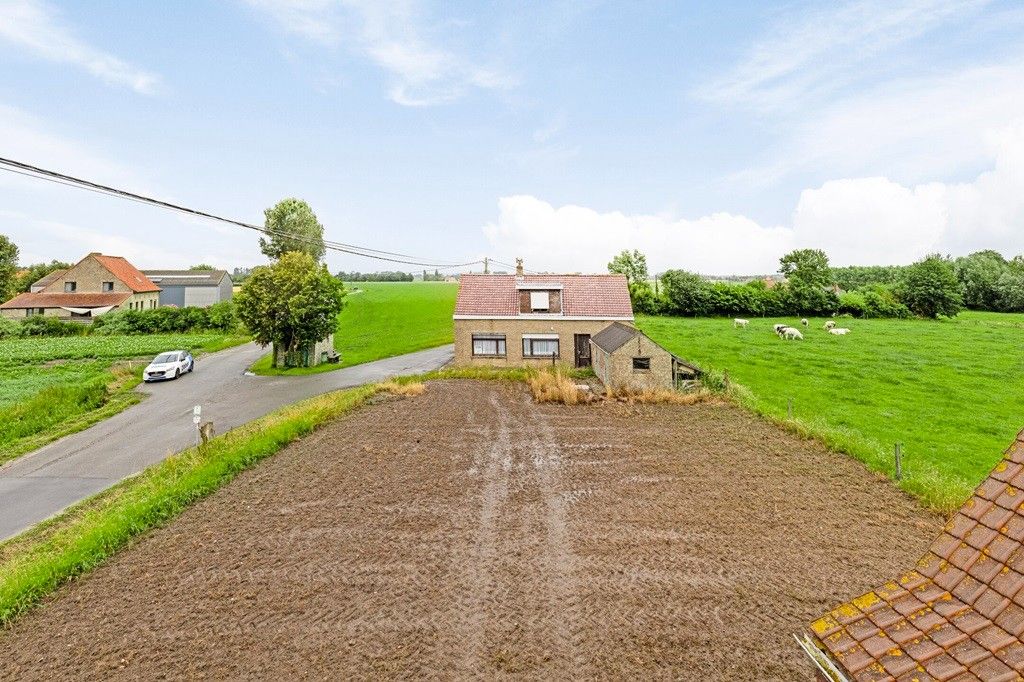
{"x": 839, "y": 331}
{"x": 830, "y": 324}
{"x": 791, "y": 334}
{"x": 738, "y": 322}
{"x": 804, "y": 322}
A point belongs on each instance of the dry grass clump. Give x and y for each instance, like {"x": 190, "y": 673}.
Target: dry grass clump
{"x": 652, "y": 396}
{"x": 555, "y": 387}
{"x": 404, "y": 389}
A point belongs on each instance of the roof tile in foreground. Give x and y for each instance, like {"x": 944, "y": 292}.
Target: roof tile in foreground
{"x": 957, "y": 615}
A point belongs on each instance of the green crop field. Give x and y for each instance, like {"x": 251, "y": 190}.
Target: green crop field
{"x": 951, "y": 391}
{"x": 50, "y": 387}
{"x": 384, "y": 319}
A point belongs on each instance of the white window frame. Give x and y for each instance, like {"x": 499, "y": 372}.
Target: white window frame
{"x": 528, "y": 345}
{"x": 500, "y": 345}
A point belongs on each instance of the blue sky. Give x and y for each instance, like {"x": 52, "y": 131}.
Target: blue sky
{"x": 715, "y": 136}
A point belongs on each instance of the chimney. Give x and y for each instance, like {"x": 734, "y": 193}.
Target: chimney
{"x": 519, "y": 267}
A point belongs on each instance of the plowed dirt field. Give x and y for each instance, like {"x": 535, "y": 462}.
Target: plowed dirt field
{"x": 469, "y": 532}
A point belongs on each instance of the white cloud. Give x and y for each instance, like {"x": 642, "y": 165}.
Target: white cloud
{"x": 856, "y": 221}
{"x": 393, "y": 35}
{"x": 31, "y": 25}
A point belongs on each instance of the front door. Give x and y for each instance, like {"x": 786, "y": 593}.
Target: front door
{"x": 582, "y": 350}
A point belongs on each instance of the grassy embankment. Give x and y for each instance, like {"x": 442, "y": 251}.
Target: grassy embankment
{"x": 50, "y": 387}
{"x": 951, "y": 391}
{"x": 384, "y": 319}
{"x": 48, "y": 555}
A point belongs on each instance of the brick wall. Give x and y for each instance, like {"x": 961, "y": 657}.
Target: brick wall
{"x": 513, "y": 331}
{"x": 616, "y": 369}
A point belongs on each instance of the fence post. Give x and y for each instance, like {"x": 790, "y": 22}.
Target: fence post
{"x": 899, "y": 461}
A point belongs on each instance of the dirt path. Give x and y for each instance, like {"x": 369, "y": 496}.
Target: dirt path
{"x": 470, "y": 533}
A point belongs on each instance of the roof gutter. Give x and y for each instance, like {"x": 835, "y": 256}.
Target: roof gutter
{"x": 821, "y": 661}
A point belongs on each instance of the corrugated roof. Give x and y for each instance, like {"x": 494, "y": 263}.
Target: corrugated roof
{"x": 959, "y": 614}
{"x": 127, "y": 273}
{"x": 62, "y": 300}
{"x": 598, "y": 296}
{"x": 49, "y": 279}
{"x": 614, "y": 336}
{"x": 186, "y": 278}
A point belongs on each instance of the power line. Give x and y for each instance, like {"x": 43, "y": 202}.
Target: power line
{"x": 28, "y": 170}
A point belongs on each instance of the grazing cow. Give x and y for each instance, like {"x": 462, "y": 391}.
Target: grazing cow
{"x": 791, "y": 334}
{"x": 830, "y": 324}
{"x": 839, "y": 331}
{"x": 804, "y": 322}
{"x": 739, "y": 322}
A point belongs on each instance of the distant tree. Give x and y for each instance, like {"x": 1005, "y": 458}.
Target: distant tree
{"x": 858, "y": 276}
{"x": 808, "y": 278}
{"x": 8, "y": 268}
{"x": 632, "y": 264}
{"x": 293, "y": 227}
{"x": 685, "y": 293}
{"x": 202, "y": 266}
{"x": 290, "y": 304}
{"x": 1010, "y": 288}
{"x": 31, "y": 274}
{"x": 930, "y": 288}
{"x": 979, "y": 275}
{"x": 239, "y": 275}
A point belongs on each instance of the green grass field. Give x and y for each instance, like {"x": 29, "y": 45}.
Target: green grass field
{"x": 951, "y": 391}
{"x": 50, "y": 387}
{"x": 384, "y": 319}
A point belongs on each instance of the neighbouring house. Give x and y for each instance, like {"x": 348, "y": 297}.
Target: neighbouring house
{"x": 310, "y": 356}
{"x": 93, "y": 286}
{"x": 626, "y": 358}
{"x": 509, "y": 320}
{"x": 199, "y": 288}
{"x": 957, "y": 615}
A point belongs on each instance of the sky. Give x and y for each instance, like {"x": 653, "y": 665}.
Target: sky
{"x": 713, "y": 136}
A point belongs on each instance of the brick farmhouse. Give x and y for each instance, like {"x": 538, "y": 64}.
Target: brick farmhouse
{"x": 95, "y": 285}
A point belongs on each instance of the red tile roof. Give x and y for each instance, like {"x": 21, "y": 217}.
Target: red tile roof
{"x": 960, "y": 612}
{"x": 598, "y": 296}
{"x": 62, "y": 300}
{"x": 127, "y": 273}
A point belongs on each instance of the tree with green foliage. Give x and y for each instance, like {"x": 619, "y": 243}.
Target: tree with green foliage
{"x": 292, "y": 226}
{"x": 930, "y": 288}
{"x": 291, "y": 304}
{"x": 808, "y": 278}
{"x": 857, "y": 276}
{"x": 979, "y": 275}
{"x": 1010, "y": 290}
{"x": 8, "y": 268}
{"x": 202, "y": 266}
{"x": 31, "y": 274}
{"x": 632, "y": 264}
{"x": 685, "y": 293}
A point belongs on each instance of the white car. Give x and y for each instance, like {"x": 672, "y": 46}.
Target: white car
{"x": 169, "y": 366}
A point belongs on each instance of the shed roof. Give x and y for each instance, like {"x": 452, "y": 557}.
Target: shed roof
{"x": 614, "y": 336}
{"x": 603, "y": 297}
{"x": 63, "y": 300}
{"x": 959, "y": 612}
{"x": 186, "y": 278}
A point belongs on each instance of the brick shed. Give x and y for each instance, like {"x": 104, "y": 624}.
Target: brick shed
{"x": 957, "y": 615}
{"x": 625, "y": 357}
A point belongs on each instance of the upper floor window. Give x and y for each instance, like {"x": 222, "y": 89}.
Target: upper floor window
{"x": 70, "y": 287}
{"x": 539, "y": 301}
{"x": 107, "y": 286}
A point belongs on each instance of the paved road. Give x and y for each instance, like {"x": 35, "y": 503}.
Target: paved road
{"x": 38, "y": 485}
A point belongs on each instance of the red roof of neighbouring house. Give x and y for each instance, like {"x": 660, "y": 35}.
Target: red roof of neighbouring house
{"x": 127, "y": 273}
{"x": 598, "y": 296}
{"x": 62, "y": 300}
{"x": 959, "y": 614}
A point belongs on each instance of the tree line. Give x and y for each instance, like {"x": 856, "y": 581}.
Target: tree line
{"x": 932, "y": 287}
{"x": 384, "y": 276}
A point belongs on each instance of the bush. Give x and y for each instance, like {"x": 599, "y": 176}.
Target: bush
{"x": 220, "y": 317}
{"x": 880, "y": 301}
{"x": 39, "y": 325}
{"x": 852, "y": 303}
{"x": 9, "y": 328}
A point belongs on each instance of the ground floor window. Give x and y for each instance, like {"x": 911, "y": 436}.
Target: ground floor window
{"x": 489, "y": 344}
{"x": 29, "y": 312}
{"x": 641, "y": 363}
{"x": 540, "y": 346}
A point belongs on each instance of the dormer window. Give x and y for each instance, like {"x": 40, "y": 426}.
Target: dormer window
{"x": 540, "y": 302}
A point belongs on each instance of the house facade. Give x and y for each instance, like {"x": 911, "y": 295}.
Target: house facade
{"x": 516, "y": 320}
{"x": 184, "y": 288}
{"x": 95, "y": 285}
